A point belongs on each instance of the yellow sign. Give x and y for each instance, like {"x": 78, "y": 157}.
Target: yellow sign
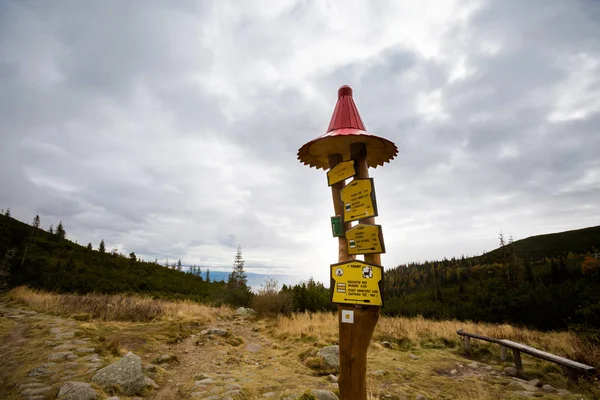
{"x": 365, "y": 239}
{"x": 356, "y": 282}
{"x": 340, "y": 172}
{"x": 359, "y": 200}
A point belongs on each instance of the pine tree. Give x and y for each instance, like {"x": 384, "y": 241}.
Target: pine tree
{"x": 207, "y": 275}
{"x": 36, "y": 221}
{"x": 179, "y": 267}
{"x": 132, "y": 257}
{"x": 51, "y": 230}
{"x": 102, "y": 247}
{"x": 60, "y": 231}
{"x": 89, "y": 246}
{"x": 7, "y": 212}
{"x": 238, "y": 278}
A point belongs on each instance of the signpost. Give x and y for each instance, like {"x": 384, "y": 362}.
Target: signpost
{"x": 356, "y": 282}
{"x": 340, "y": 172}
{"x": 365, "y": 239}
{"x": 359, "y": 200}
{"x": 355, "y": 285}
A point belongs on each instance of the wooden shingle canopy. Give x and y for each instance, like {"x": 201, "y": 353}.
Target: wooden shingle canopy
{"x": 346, "y": 127}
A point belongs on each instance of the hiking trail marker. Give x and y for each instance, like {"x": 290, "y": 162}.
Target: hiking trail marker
{"x": 365, "y": 239}
{"x": 348, "y": 150}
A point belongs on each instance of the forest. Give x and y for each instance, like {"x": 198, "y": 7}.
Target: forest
{"x": 547, "y": 282}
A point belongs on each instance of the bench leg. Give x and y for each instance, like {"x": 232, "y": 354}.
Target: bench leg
{"x": 572, "y": 374}
{"x": 503, "y": 353}
{"x": 517, "y": 357}
{"x": 468, "y": 345}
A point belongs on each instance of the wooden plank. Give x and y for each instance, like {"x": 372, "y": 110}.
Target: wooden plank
{"x": 476, "y": 336}
{"x": 503, "y": 353}
{"x": 517, "y": 357}
{"x": 547, "y": 356}
{"x": 468, "y": 345}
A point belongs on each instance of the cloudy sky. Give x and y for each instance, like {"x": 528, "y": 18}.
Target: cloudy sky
{"x": 171, "y": 128}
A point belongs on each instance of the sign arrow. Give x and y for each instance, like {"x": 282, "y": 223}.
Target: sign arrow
{"x": 365, "y": 301}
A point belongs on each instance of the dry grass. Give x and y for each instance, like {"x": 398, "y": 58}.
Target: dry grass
{"x": 116, "y": 307}
{"x": 418, "y": 333}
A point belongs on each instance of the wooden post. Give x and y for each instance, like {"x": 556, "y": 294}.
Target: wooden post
{"x": 517, "y": 357}
{"x": 338, "y": 207}
{"x": 356, "y": 337}
{"x": 503, "y": 353}
{"x": 468, "y": 345}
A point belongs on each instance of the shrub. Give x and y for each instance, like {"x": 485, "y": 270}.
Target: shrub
{"x": 270, "y": 301}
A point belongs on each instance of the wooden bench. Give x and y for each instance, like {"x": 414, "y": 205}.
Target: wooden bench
{"x": 573, "y": 367}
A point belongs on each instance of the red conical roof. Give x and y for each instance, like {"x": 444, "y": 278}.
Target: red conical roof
{"x": 346, "y": 127}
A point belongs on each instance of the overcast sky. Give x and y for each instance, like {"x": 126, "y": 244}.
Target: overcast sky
{"x": 171, "y": 128}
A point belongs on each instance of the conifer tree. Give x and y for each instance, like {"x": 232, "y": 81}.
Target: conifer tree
{"x": 51, "y": 230}
{"x": 207, "y": 275}
{"x": 89, "y": 246}
{"x": 238, "y": 278}
{"x": 179, "y": 267}
{"x": 7, "y": 212}
{"x": 36, "y": 221}
{"x": 102, "y": 247}
{"x": 60, "y": 231}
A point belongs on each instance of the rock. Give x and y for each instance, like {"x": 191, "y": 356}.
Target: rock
{"x": 331, "y": 356}
{"x": 216, "y": 331}
{"x": 510, "y": 371}
{"x": 66, "y": 335}
{"x": 379, "y": 372}
{"x": 113, "y": 398}
{"x": 233, "y": 386}
{"x": 124, "y": 375}
{"x": 150, "y": 368}
{"x": 61, "y": 355}
{"x": 245, "y": 312}
{"x": 207, "y": 381}
{"x": 165, "y": 358}
{"x": 84, "y": 350}
{"x": 253, "y": 347}
{"x": 91, "y": 358}
{"x": 150, "y": 383}
{"x": 196, "y": 394}
{"x": 548, "y": 389}
{"x": 413, "y": 357}
{"x": 332, "y": 378}
{"x": 535, "y": 382}
{"x": 563, "y": 392}
{"x": 323, "y": 394}
{"x": 269, "y": 394}
{"x": 66, "y": 346}
{"x": 35, "y": 391}
{"x": 76, "y": 391}
{"x": 420, "y": 397}
{"x": 72, "y": 357}
{"x": 473, "y": 365}
{"x": 387, "y": 344}
{"x": 492, "y": 372}
{"x": 488, "y": 368}
{"x": 453, "y": 372}
{"x": 38, "y": 371}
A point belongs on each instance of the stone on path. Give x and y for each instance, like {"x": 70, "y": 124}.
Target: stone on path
{"x": 379, "y": 372}
{"x": 535, "y": 382}
{"x": 420, "y": 397}
{"x": 76, "y": 391}
{"x": 245, "y": 312}
{"x": 269, "y": 394}
{"x": 510, "y": 371}
{"x": 35, "y": 391}
{"x": 206, "y": 381}
{"x": 548, "y": 389}
{"x": 84, "y": 350}
{"x": 453, "y": 372}
{"x": 413, "y": 357}
{"x": 165, "y": 358}
{"x": 216, "y": 331}
{"x": 124, "y": 375}
{"x": 331, "y": 356}
{"x": 474, "y": 365}
{"x": 324, "y": 394}
{"x": 60, "y": 355}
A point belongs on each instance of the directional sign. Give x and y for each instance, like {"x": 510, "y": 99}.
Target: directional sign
{"x": 357, "y": 282}
{"x": 340, "y": 172}
{"x": 365, "y": 239}
{"x": 358, "y": 198}
{"x": 336, "y": 226}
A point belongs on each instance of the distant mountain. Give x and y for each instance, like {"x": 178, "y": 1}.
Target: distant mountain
{"x": 255, "y": 280}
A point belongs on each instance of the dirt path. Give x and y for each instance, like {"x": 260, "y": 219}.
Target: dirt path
{"x": 233, "y": 358}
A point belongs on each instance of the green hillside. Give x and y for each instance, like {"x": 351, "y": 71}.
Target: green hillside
{"x": 41, "y": 259}
{"x": 547, "y": 281}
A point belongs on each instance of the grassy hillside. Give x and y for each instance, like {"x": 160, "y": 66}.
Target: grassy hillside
{"x": 40, "y": 259}
{"x": 547, "y": 281}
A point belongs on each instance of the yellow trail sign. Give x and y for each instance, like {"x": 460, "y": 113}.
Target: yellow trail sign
{"x": 357, "y": 282}
{"x": 365, "y": 239}
{"x": 340, "y": 172}
{"x": 359, "y": 200}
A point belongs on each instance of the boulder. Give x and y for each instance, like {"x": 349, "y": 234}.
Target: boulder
{"x": 245, "y": 312}
{"x": 535, "y": 382}
{"x": 165, "y": 358}
{"x": 324, "y": 394}
{"x": 510, "y": 371}
{"x": 76, "y": 391}
{"x": 332, "y": 378}
{"x": 331, "y": 356}
{"x": 123, "y": 376}
{"x": 548, "y": 389}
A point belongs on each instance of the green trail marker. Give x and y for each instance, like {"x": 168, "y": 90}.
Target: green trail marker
{"x": 336, "y": 226}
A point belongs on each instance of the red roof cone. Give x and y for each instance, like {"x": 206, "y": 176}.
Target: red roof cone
{"x": 346, "y": 127}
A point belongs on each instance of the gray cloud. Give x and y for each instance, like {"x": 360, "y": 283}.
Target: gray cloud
{"x": 172, "y": 130}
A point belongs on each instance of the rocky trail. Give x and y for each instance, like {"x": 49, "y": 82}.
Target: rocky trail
{"x": 46, "y": 357}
